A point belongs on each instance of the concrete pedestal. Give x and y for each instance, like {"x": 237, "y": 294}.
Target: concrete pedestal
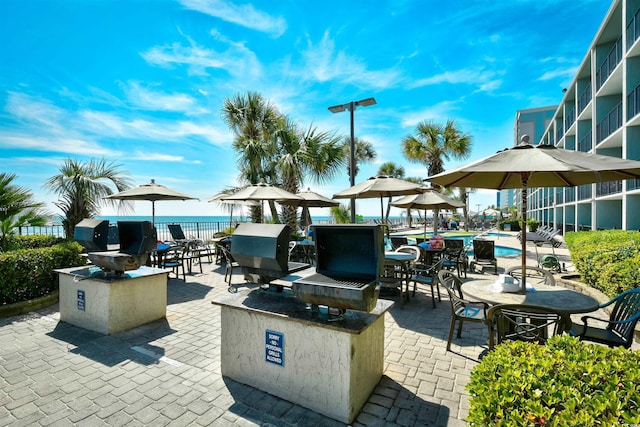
{"x": 271, "y": 341}
{"x": 108, "y": 304}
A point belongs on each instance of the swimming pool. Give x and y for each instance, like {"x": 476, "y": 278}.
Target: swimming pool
{"x": 500, "y": 251}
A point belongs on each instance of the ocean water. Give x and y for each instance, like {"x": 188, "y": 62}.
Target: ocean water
{"x": 212, "y": 218}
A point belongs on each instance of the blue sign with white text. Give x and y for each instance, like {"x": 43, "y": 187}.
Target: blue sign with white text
{"x": 81, "y": 300}
{"x": 274, "y": 347}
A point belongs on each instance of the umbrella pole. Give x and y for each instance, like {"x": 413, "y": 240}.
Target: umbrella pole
{"x": 425, "y": 223}
{"x": 523, "y": 234}
{"x": 153, "y": 213}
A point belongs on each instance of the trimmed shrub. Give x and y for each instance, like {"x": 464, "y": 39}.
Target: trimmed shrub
{"x": 607, "y": 260}
{"x": 28, "y": 273}
{"x": 565, "y": 382}
{"x": 532, "y": 224}
{"x": 515, "y": 224}
{"x": 32, "y": 242}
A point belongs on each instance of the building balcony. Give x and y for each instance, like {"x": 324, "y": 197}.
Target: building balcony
{"x": 586, "y": 143}
{"x": 607, "y": 188}
{"x": 633, "y": 29}
{"x": 610, "y": 63}
{"x": 585, "y": 99}
{"x": 633, "y": 103}
{"x": 611, "y": 123}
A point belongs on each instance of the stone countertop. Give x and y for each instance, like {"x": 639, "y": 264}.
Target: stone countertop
{"x": 96, "y": 273}
{"x": 285, "y": 305}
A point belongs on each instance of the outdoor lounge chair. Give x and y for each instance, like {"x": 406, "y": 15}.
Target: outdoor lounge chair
{"x": 176, "y": 232}
{"x": 484, "y": 254}
{"x": 398, "y": 241}
{"x": 620, "y": 326}
{"x": 461, "y": 310}
{"x": 523, "y": 322}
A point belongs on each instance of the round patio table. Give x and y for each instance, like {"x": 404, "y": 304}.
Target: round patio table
{"x": 555, "y": 297}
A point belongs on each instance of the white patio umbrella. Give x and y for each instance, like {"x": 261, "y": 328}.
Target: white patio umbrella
{"x": 218, "y": 199}
{"x": 261, "y": 192}
{"x": 151, "y": 192}
{"x": 429, "y": 199}
{"x": 379, "y": 186}
{"x": 527, "y": 165}
{"x": 309, "y": 199}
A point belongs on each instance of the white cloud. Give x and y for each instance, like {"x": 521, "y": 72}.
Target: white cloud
{"x": 244, "y": 15}
{"x": 322, "y": 63}
{"x": 148, "y": 99}
{"x": 438, "y": 113}
{"x": 564, "y": 73}
{"x": 477, "y": 77}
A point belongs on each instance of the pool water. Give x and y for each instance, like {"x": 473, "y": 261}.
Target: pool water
{"x": 500, "y": 251}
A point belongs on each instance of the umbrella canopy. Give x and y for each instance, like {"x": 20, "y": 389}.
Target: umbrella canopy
{"x": 527, "y": 165}
{"x": 429, "y": 199}
{"x": 151, "y": 192}
{"x": 491, "y": 212}
{"x": 261, "y": 192}
{"x": 310, "y": 199}
{"x": 218, "y": 199}
{"x": 379, "y": 186}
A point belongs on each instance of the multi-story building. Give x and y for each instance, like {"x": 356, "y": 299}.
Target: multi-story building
{"x": 599, "y": 113}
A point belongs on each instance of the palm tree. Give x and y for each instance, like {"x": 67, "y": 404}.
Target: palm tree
{"x": 81, "y": 188}
{"x": 364, "y": 152}
{"x": 394, "y": 171}
{"x": 17, "y": 208}
{"x": 432, "y": 144}
{"x": 341, "y": 214}
{"x": 253, "y": 121}
{"x": 311, "y": 153}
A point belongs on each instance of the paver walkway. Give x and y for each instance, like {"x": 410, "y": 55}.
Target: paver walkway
{"x": 168, "y": 372}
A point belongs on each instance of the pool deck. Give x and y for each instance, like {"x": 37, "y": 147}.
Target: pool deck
{"x": 168, "y": 372}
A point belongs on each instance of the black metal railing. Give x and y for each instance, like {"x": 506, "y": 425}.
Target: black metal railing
{"x": 633, "y": 29}
{"x": 611, "y": 123}
{"x": 633, "y": 102}
{"x": 606, "y": 188}
{"x": 584, "y": 192}
{"x": 633, "y": 184}
{"x": 570, "y": 119}
{"x": 586, "y": 142}
{"x": 559, "y": 134}
{"x": 609, "y": 64}
{"x": 584, "y": 99}
{"x": 570, "y": 194}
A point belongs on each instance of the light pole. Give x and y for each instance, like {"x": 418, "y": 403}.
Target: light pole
{"x": 478, "y": 213}
{"x": 351, "y": 106}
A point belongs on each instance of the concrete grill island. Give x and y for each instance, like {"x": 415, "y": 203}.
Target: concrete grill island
{"x": 313, "y": 336}
{"x": 308, "y": 336}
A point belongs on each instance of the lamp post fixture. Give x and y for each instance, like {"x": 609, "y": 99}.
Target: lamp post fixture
{"x": 478, "y": 214}
{"x": 351, "y": 106}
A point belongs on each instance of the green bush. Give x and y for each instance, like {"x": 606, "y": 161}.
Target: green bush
{"x": 28, "y": 273}
{"x": 563, "y": 383}
{"x": 607, "y": 260}
{"x": 31, "y": 242}
{"x": 532, "y": 224}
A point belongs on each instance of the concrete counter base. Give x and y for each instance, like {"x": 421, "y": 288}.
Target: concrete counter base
{"x": 271, "y": 341}
{"x": 109, "y": 304}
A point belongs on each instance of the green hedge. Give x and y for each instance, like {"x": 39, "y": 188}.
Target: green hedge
{"x": 515, "y": 224}
{"x": 31, "y": 242}
{"x": 607, "y": 260}
{"x": 28, "y": 273}
{"x": 563, "y": 383}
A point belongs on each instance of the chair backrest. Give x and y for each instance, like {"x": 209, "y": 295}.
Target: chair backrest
{"x": 413, "y": 250}
{"x": 228, "y": 257}
{"x": 626, "y": 307}
{"x": 292, "y": 247}
{"x": 484, "y": 249}
{"x": 529, "y": 323}
{"x": 176, "y": 232}
{"x": 535, "y": 275}
{"x": 451, "y": 282}
{"x": 398, "y": 241}
{"x": 453, "y": 244}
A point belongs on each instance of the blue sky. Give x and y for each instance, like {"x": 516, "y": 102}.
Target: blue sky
{"x": 142, "y": 82}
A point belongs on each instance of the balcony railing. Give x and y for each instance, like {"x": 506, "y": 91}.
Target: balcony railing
{"x": 559, "y": 197}
{"x": 570, "y": 195}
{"x": 611, "y": 123}
{"x": 586, "y": 143}
{"x": 633, "y": 184}
{"x": 611, "y": 61}
{"x": 606, "y": 188}
{"x": 633, "y": 29}
{"x": 559, "y": 134}
{"x": 570, "y": 119}
{"x": 584, "y": 99}
{"x": 633, "y": 103}
{"x": 584, "y": 192}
